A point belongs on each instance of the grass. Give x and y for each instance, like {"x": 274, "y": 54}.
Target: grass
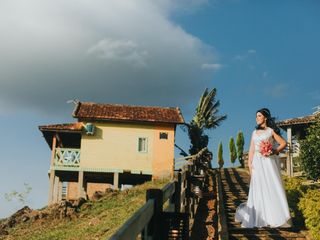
{"x": 96, "y": 220}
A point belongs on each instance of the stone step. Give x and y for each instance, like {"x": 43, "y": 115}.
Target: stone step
{"x": 274, "y": 233}
{"x": 227, "y": 190}
{"x": 263, "y": 237}
{"x": 236, "y": 195}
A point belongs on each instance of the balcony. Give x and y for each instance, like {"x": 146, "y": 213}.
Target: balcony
{"x": 67, "y": 157}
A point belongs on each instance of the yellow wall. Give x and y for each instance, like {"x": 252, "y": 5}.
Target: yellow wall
{"x": 114, "y": 146}
{"x": 163, "y": 162}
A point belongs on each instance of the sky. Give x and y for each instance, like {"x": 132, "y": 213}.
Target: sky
{"x": 154, "y": 53}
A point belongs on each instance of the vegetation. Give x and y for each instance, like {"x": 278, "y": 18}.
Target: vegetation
{"x": 220, "y": 156}
{"x": 233, "y": 151}
{"x": 295, "y": 190}
{"x": 94, "y": 220}
{"x": 205, "y": 118}
{"x": 310, "y": 207}
{"x": 310, "y": 152}
{"x": 240, "y": 145}
{"x": 19, "y": 196}
{"x": 304, "y": 204}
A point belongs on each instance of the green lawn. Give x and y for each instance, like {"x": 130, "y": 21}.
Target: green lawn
{"x": 96, "y": 220}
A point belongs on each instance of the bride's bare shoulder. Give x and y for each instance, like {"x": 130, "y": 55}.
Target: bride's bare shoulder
{"x": 271, "y": 130}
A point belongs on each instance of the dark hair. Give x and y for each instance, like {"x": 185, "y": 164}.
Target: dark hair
{"x": 270, "y": 120}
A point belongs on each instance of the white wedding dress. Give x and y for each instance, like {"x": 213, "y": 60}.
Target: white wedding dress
{"x": 267, "y": 204}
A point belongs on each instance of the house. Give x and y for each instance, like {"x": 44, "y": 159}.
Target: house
{"x": 108, "y": 146}
{"x": 296, "y": 131}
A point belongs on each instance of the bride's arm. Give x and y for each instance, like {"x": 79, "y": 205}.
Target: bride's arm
{"x": 282, "y": 143}
{"x": 251, "y": 152}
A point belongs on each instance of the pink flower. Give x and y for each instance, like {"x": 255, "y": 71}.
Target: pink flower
{"x": 265, "y": 148}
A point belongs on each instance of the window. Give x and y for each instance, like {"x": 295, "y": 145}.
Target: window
{"x": 142, "y": 144}
{"x": 163, "y": 135}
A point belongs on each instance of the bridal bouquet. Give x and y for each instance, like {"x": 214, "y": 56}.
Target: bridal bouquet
{"x": 266, "y": 148}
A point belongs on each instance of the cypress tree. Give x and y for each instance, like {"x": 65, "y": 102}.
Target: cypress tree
{"x": 240, "y": 144}
{"x": 233, "y": 151}
{"x": 220, "y": 156}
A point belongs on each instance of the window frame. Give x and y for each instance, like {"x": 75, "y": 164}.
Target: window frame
{"x": 166, "y": 134}
{"x": 145, "y": 145}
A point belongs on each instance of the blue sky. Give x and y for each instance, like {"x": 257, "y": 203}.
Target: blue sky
{"x": 164, "y": 53}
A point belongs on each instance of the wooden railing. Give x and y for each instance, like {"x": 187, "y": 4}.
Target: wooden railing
{"x": 67, "y": 157}
{"x": 167, "y": 211}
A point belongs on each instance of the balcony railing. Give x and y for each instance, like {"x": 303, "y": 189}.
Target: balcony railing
{"x": 67, "y": 157}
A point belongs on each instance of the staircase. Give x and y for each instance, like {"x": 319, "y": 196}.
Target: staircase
{"x": 235, "y": 188}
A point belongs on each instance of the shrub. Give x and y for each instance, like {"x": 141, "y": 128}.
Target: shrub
{"x": 310, "y": 206}
{"x": 310, "y": 151}
{"x": 295, "y": 191}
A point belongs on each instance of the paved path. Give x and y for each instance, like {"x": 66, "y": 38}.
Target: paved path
{"x": 235, "y": 185}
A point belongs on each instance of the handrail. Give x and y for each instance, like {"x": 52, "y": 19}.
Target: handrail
{"x": 168, "y": 191}
{"x": 192, "y": 156}
{"x": 149, "y": 221}
{"x": 134, "y": 225}
{"x": 69, "y": 157}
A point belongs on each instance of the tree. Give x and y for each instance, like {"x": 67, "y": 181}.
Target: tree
{"x": 233, "y": 151}
{"x": 310, "y": 151}
{"x": 240, "y": 144}
{"x": 19, "y": 196}
{"x": 205, "y": 118}
{"x": 220, "y": 155}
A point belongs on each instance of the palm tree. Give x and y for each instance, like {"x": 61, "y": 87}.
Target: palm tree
{"x": 205, "y": 118}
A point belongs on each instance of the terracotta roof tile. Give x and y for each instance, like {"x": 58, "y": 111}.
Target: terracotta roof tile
{"x": 298, "y": 120}
{"x": 117, "y": 112}
{"x": 67, "y": 127}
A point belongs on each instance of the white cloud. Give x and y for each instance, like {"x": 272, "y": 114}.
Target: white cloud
{"x": 108, "y": 51}
{"x": 119, "y": 50}
{"x": 252, "y": 51}
{"x": 211, "y": 66}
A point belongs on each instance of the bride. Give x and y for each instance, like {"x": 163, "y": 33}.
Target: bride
{"x": 267, "y": 204}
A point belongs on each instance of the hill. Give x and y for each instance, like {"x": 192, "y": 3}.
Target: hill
{"x": 94, "y": 219}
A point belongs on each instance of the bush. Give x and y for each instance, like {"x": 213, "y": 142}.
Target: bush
{"x": 310, "y": 151}
{"x": 295, "y": 191}
{"x": 310, "y": 206}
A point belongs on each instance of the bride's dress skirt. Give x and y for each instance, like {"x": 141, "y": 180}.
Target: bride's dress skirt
{"x": 267, "y": 204}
